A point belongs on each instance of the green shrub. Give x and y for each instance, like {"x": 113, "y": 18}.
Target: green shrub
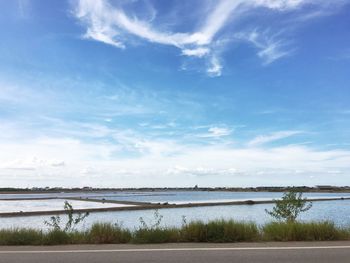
{"x": 290, "y": 206}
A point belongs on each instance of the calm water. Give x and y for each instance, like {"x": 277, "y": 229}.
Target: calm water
{"x": 205, "y": 196}
{"x": 337, "y": 211}
{"x": 173, "y": 196}
{"x": 49, "y": 205}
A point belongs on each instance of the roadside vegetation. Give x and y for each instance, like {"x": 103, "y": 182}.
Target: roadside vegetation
{"x": 289, "y": 207}
{"x": 286, "y": 228}
{"x": 215, "y": 231}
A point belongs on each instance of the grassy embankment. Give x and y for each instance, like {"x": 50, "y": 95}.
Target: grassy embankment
{"x": 214, "y": 231}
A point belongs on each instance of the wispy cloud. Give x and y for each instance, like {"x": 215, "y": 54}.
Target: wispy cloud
{"x": 262, "y": 139}
{"x": 281, "y": 4}
{"x": 215, "y": 68}
{"x": 31, "y": 164}
{"x": 23, "y": 8}
{"x": 270, "y": 47}
{"x": 216, "y": 132}
{"x": 111, "y": 24}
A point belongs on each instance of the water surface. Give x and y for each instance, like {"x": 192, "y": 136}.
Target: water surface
{"x": 336, "y": 211}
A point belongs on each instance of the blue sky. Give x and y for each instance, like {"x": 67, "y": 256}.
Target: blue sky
{"x": 174, "y": 93}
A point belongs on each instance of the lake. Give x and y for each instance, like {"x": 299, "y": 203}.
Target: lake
{"x": 336, "y": 211}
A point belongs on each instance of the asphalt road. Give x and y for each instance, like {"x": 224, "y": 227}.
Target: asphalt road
{"x": 296, "y": 252}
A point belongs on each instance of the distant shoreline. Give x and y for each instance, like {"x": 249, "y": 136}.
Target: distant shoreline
{"x": 306, "y": 189}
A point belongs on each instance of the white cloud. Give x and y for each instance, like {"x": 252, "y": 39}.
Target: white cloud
{"x": 270, "y": 47}
{"x": 262, "y": 139}
{"x": 215, "y": 68}
{"x": 32, "y": 163}
{"x": 110, "y": 22}
{"x": 201, "y": 171}
{"x": 164, "y": 163}
{"x": 281, "y": 4}
{"x": 196, "y": 52}
{"x": 67, "y": 161}
{"x": 216, "y": 132}
{"x": 112, "y": 25}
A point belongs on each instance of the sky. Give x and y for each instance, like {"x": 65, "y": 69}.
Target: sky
{"x": 214, "y": 93}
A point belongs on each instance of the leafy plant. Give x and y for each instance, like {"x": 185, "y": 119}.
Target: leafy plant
{"x": 157, "y": 221}
{"x": 54, "y": 222}
{"x": 72, "y": 222}
{"x": 290, "y": 206}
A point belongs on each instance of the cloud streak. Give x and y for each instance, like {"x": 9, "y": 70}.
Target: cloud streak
{"x": 112, "y": 25}
{"x": 216, "y": 132}
{"x": 276, "y": 136}
{"x": 270, "y": 47}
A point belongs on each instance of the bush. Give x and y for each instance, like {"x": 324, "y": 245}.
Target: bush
{"x": 290, "y": 206}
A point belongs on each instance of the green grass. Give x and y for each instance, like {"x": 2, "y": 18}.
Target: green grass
{"x": 107, "y": 233}
{"x": 220, "y": 231}
{"x": 313, "y": 231}
{"x": 156, "y": 235}
{"x": 197, "y": 231}
{"x": 18, "y": 237}
{"x": 57, "y": 237}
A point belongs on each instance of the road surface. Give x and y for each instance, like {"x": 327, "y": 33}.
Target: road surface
{"x": 291, "y": 252}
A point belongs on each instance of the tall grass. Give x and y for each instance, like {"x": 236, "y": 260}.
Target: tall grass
{"x": 107, "y": 233}
{"x": 197, "y": 231}
{"x": 156, "y": 235}
{"x": 313, "y": 231}
{"x": 23, "y": 236}
{"x": 220, "y": 231}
